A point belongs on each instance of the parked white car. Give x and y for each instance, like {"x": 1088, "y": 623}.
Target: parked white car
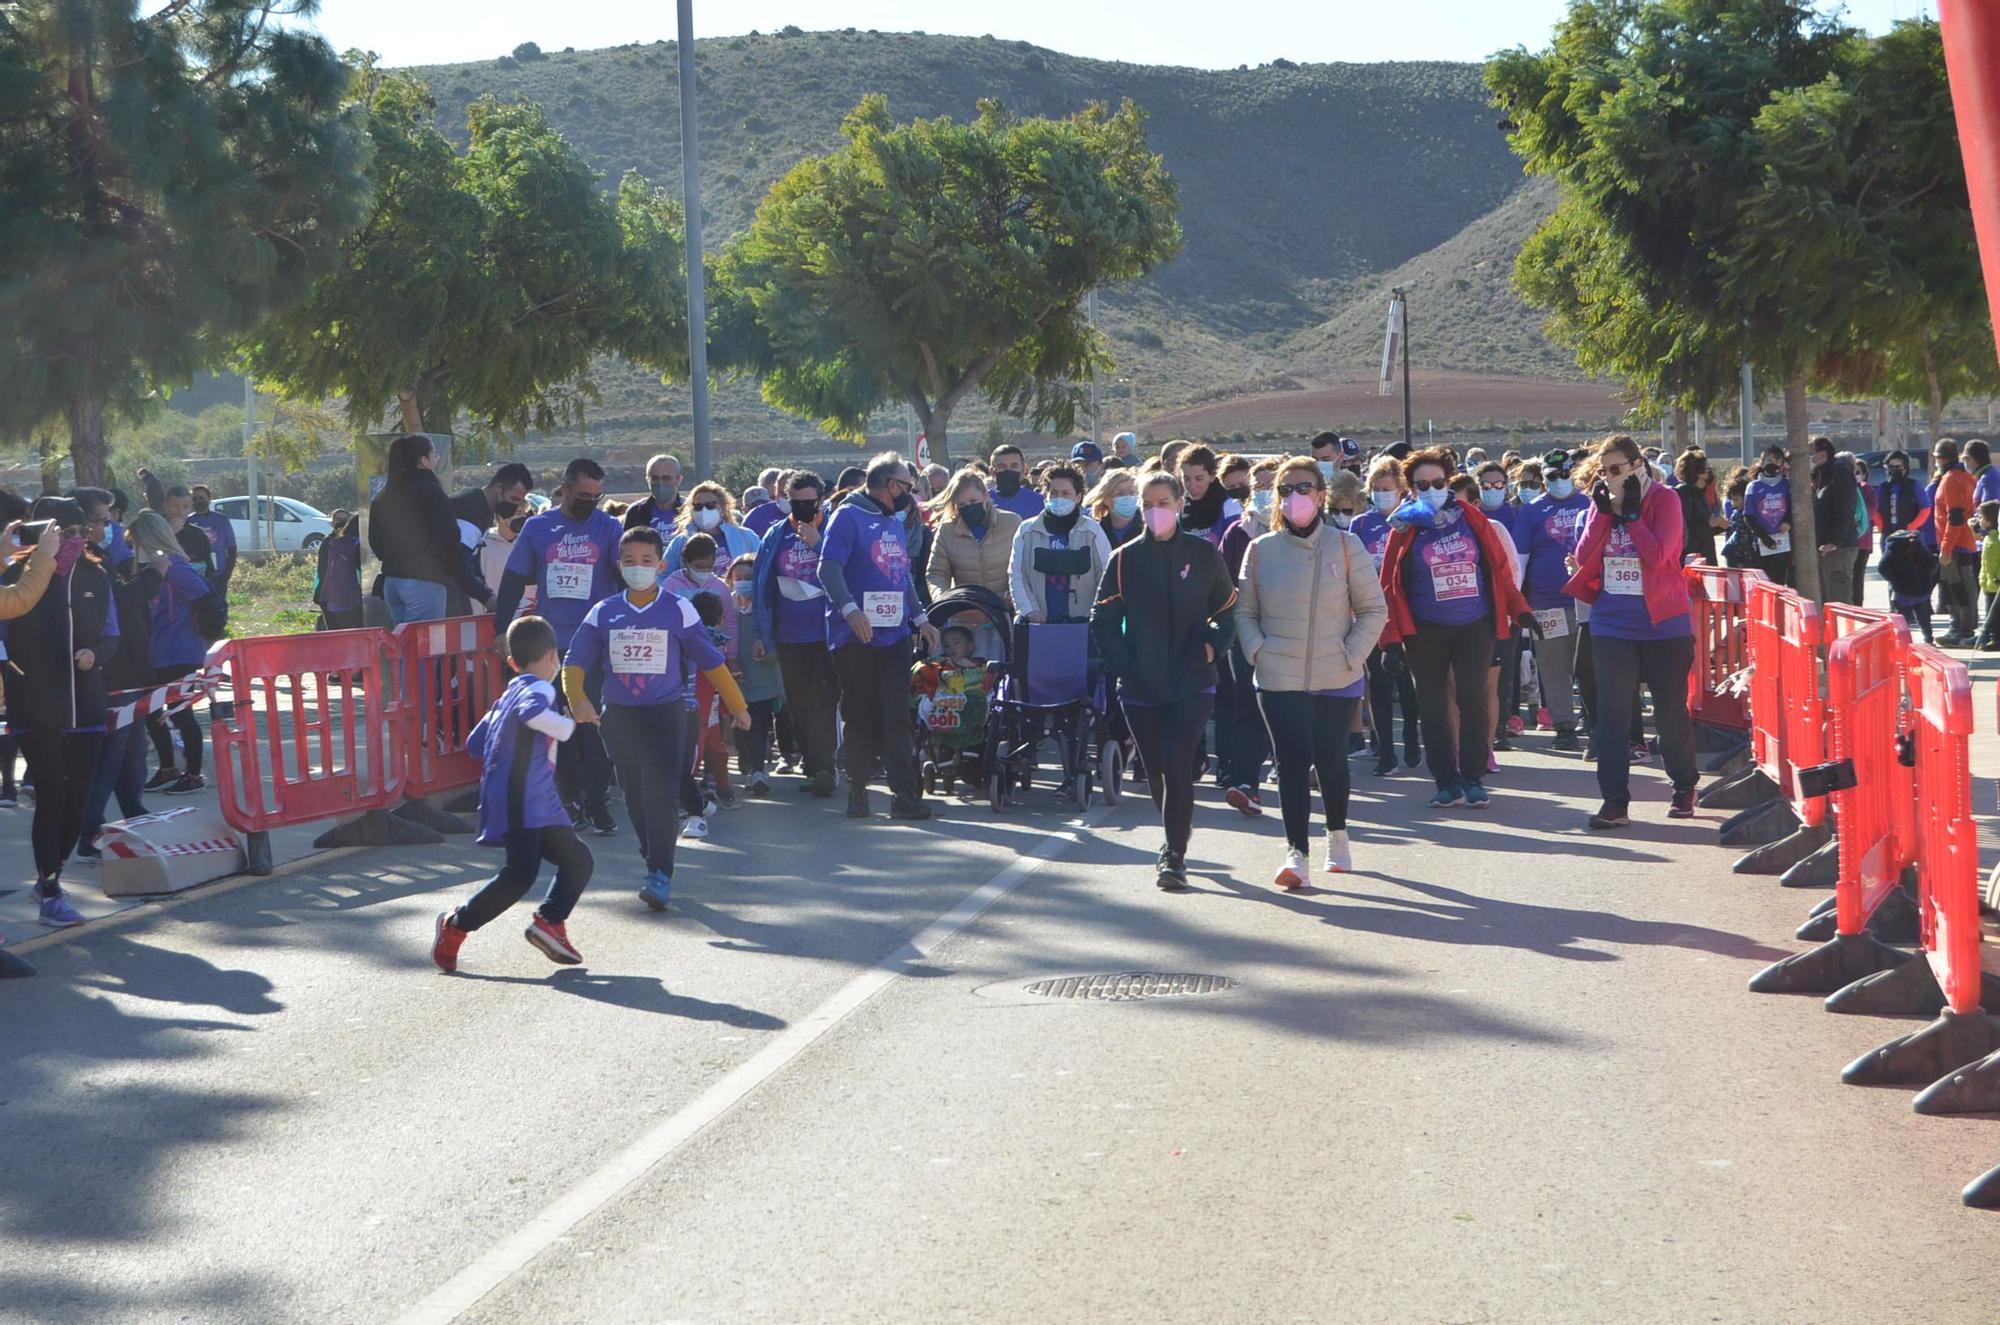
{"x": 299, "y": 527}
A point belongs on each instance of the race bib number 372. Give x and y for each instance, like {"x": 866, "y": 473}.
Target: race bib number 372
{"x": 639, "y": 652}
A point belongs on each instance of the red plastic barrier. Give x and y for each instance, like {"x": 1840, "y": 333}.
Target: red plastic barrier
{"x": 1803, "y": 709}
{"x": 1864, "y": 701}
{"x": 1840, "y": 620}
{"x": 1971, "y": 31}
{"x": 1763, "y": 642}
{"x": 315, "y": 732}
{"x": 1720, "y": 597}
{"x": 451, "y": 677}
{"x": 1947, "y": 852}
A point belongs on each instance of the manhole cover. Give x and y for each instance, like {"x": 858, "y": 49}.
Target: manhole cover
{"x": 1130, "y": 985}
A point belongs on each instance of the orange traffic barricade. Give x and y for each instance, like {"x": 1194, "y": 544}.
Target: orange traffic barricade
{"x": 451, "y": 676}
{"x": 1720, "y": 598}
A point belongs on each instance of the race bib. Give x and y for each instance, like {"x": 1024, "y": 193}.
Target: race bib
{"x": 569, "y": 579}
{"x": 883, "y": 610}
{"x": 1455, "y": 580}
{"x": 1554, "y": 622}
{"x": 639, "y": 652}
{"x": 1622, "y": 576}
{"x": 1779, "y": 543}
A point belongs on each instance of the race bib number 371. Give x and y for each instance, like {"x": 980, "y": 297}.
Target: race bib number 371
{"x": 570, "y": 579}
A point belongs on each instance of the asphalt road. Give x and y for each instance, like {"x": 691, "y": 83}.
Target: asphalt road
{"x": 1509, "y": 1072}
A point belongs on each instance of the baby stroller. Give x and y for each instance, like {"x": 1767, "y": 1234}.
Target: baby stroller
{"x": 950, "y": 701}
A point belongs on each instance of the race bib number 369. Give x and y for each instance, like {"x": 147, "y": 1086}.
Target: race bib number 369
{"x": 1622, "y": 576}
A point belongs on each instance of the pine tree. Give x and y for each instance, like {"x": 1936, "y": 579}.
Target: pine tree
{"x": 166, "y": 180}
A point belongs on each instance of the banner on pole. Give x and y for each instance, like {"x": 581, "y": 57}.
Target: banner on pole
{"x": 1392, "y": 341}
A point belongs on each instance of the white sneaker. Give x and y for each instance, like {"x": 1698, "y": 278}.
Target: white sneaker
{"x": 710, "y": 806}
{"x": 697, "y": 826}
{"x": 1339, "y": 853}
{"x": 1292, "y": 875}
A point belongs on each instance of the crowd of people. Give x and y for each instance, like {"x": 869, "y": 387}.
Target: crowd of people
{"x": 1257, "y": 619}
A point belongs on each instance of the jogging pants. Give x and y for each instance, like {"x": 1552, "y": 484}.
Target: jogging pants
{"x": 812, "y": 694}
{"x": 1555, "y": 660}
{"x": 1836, "y": 575}
{"x": 1168, "y": 735}
{"x": 121, "y": 768}
{"x": 527, "y": 848}
{"x": 1958, "y": 580}
{"x": 583, "y": 768}
{"x": 1241, "y": 745}
{"x": 648, "y": 746}
{"x": 1777, "y": 566}
{"x": 1662, "y": 666}
{"x": 1309, "y": 732}
{"x": 753, "y": 747}
{"x": 875, "y": 705}
{"x": 1387, "y": 694}
{"x": 60, "y": 764}
{"x": 184, "y": 722}
{"x": 1459, "y": 657}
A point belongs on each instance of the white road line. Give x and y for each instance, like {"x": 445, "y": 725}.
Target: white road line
{"x": 513, "y": 1252}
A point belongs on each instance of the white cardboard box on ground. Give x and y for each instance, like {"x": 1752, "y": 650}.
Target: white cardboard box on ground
{"x": 164, "y": 853}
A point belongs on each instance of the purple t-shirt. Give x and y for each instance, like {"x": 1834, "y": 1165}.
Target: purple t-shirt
{"x": 759, "y": 519}
{"x": 176, "y": 639}
{"x": 1546, "y": 534}
{"x": 869, "y": 548}
{"x": 1620, "y": 610}
{"x": 221, "y": 538}
{"x": 1372, "y": 528}
{"x": 1026, "y": 502}
{"x": 797, "y": 616}
{"x": 573, "y": 564}
{"x": 1444, "y": 570}
{"x": 517, "y": 764}
{"x": 645, "y": 650}
{"x": 1769, "y": 501}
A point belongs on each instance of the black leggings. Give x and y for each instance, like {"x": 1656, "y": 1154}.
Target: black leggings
{"x": 61, "y": 765}
{"x": 753, "y": 747}
{"x": 527, "y": 848}
{"x": 648, "y": 747}
{"x": 1168, "y": 735}
{"x": 183, "y": 721}
{"x": 1460, "y": 656}
{"x": 1309, "y": 732}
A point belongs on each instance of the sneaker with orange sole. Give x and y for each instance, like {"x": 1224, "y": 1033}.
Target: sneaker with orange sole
{"x": 553, "y": 941}
{"x": 1292, "y": 875}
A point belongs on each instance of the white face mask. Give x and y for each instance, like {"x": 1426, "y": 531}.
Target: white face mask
{"x": 1435, "y": 498}
{"x": 639, "y": 578}
{"x": 706, "y": 520}
{"x": 1385, "y": 501}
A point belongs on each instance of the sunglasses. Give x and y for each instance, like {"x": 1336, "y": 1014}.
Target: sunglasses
{"x": 708, "y": 506}
{"x": 1427, "y": 485}
{"x": 1303, "y": 487}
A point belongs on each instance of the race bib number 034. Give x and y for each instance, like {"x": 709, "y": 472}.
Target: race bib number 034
{"x": 639, "y": 652}
{"x": 1455, "y": 580}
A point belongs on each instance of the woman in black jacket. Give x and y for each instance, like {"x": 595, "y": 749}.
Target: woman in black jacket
{"x": 121, "y": 761}
{"x": 1163, "y": 616}
{"x": 55, "y": 692}
{"x": 413, "y": 531}
{"x": 1699, "y": 518}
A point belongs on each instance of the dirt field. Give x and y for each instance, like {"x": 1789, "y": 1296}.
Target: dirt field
{"x": 1462, "y": 400}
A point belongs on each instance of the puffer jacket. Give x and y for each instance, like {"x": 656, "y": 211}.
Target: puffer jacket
{"x": 1029, "y": 582}
{"x": 1309, "y": 610}
{"x": 958, "y": 559}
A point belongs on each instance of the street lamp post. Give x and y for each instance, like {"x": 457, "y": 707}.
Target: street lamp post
{"x": 697, "y": 302}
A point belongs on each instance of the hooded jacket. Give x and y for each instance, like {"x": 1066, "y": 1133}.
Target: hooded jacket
{"x": 46, "y": 691}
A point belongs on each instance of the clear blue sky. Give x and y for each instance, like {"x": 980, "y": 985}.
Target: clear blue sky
{"x": 1143, "y": 31}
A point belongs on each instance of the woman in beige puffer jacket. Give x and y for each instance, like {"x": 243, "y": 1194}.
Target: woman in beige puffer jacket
{"x": 975, "y": 539}
{"x": 1309, "y": 611}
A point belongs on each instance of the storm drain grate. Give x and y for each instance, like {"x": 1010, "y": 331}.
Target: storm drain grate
{"x": 1130, "y": 985}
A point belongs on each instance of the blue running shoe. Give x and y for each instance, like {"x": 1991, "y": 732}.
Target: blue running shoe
{"x": 1475, "y": 794}
{"x": 1446, "y": 798}
{"x": 57, "y": 913}
{"x": 658, "y": 890}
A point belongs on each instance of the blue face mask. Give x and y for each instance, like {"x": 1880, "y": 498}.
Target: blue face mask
{"x": 1325, "y": 468}
{"x": 1125, "y": 507}
{"x": 1561, "y": 488}
{"x": 1492, "y": 499}
{"x": 1062, "y": 507}
{"x": 1385, "y": 501}
{"x": 1435, "y": 498}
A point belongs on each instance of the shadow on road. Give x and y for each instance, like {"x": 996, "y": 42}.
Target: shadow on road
{"x": 640, "y": 993}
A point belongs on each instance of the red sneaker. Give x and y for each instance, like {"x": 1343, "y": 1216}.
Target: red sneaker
{"x": 1246, "y": 801}
{"x": 444, "y": 942}
{"x": 553, "y": 942}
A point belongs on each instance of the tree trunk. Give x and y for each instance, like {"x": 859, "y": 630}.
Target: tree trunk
{"x": 1805, "y": 536}
{"x": 413, "y": 418}
{"x": 52, "y": 454}
{"x": 1680, "y": 429}
{"x": 935, "y": 420}
{"x": 1936, "y": 392}
{"x": 86, "y": 440}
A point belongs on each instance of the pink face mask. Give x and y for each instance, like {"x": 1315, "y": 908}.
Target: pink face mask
{"x": 68, "y": 552}
{"x": 1300, "y": 508}
{"x": 1162, "y": 520}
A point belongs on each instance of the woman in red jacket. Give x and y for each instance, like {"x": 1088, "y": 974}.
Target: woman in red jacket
{"x": 1452, "y": 593}
{"x": 1641, "y": 624}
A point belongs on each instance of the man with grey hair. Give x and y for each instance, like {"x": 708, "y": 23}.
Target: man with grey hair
{"x": 662, "y": 507}
{"x": 777, "y": 484}
{"x": 872, "y": 609}
{"x": 935, "y": 477}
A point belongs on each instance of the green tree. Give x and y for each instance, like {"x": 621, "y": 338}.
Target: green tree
{"x": 166, "y": 179}
{"x": 922, "y": 262}
{"x": 483, "y": 282}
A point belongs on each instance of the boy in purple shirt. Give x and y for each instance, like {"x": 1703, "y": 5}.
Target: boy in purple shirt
{"x": 520, "y": 809}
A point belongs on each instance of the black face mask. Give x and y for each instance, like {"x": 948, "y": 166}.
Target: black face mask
{"x": 973, "y": 513}
{"x": 1008, "y": 481}
{"x": 1895, "y": 474}
{"x": 1241, "y": 494}
{"x": 805, "y": 509}
{"x": 579, "y": 510}
{"x": 1771, "y": 471}
{"x": 904, "y": 500}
